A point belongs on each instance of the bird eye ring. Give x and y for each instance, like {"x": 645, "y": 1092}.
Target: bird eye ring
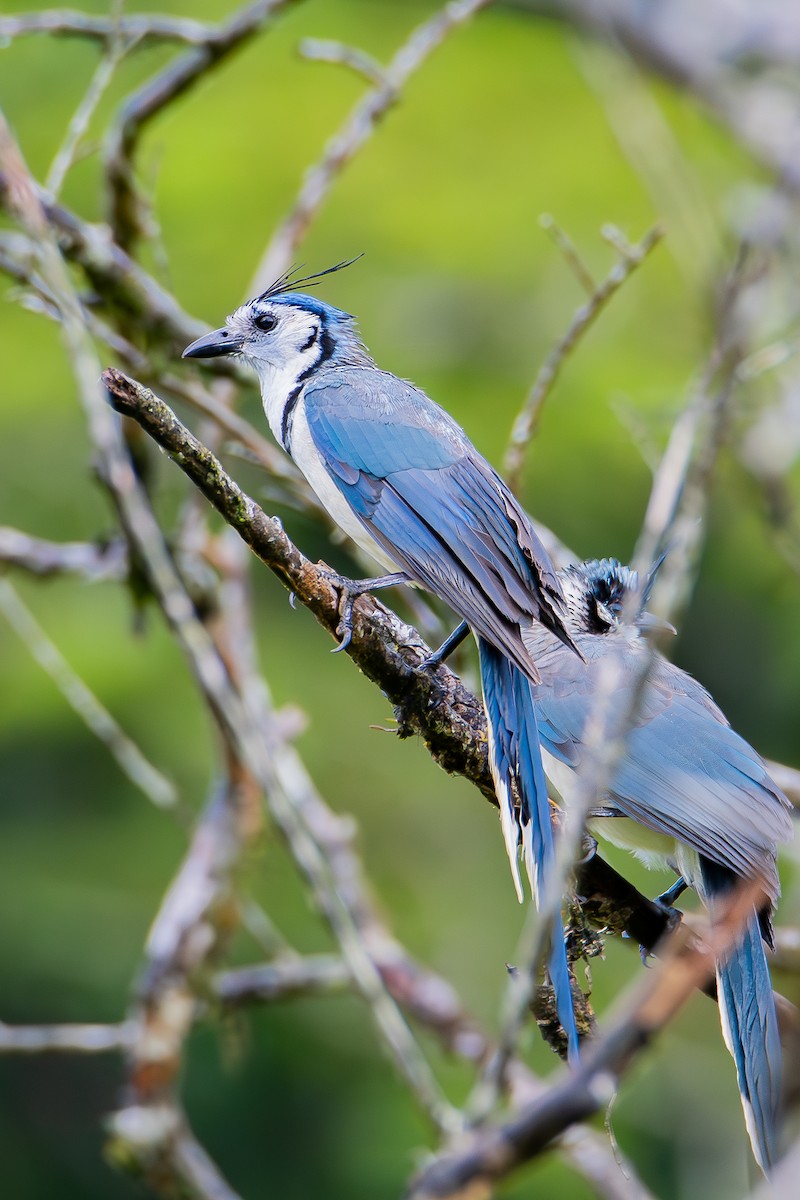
{"x": 265, "y": 322}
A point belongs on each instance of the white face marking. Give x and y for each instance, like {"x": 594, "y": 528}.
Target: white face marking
{"x": 280, "y": 353}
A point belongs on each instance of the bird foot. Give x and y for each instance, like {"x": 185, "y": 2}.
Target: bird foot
{"x": 349, "y": 591}
{"x": 674, "y": 915}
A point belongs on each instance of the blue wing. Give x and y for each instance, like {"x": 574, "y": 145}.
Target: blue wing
{"x": 685, "y": 773}
{"x": 423, "y": 492}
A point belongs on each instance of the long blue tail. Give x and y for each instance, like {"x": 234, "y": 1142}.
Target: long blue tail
{"x": 750, "y": 1025}
{"x": 515, "y": 754}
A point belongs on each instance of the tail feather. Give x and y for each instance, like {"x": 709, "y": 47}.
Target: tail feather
{"x": 515, "y": 754}
{"x": 750, "y": 1028}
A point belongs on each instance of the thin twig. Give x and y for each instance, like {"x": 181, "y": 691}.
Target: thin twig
{"x": 570, "y": 253}
{"x": 126, "y": 216}
{"x": 364, "y": 65}
{"x": 142, "y": 774}
{"x": 139, "y": 29}
{"x": 527, "y": 421}
{"x": 312, "y": 975}
{"x": 355, "y": 131}
{"x": 42, "y": 558}
{"x": 64, "y": 1039}
{"x": 68, "y": 150}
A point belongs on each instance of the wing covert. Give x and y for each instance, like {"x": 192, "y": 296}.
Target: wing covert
{"x": 685, "y": 772}
{"x": 422, "y": 491}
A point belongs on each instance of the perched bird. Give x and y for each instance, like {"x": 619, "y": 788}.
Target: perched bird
{"x": 689, "y": 793}
{"x": 402, "y": 479}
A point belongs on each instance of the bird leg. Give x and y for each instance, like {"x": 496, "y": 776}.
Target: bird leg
{"x": 349, "y": 592}
{"x": 667, "y": 899}
{"x": 446, "y": 649}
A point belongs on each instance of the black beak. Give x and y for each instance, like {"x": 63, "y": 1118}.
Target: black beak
{"x": 214, "y": 345}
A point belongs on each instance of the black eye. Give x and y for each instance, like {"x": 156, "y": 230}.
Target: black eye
{"x": 265, "y": 322}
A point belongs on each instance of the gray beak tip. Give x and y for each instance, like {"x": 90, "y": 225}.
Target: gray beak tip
{"x": 213, "y": 345}
{"x": 650, "y": 623}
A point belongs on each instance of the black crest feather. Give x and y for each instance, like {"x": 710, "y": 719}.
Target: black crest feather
{"x": 291, "y": 279}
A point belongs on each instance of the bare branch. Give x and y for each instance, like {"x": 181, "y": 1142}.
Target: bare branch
{"x": 312, "y": 975}
{"x": 527, "y": 421}
{"x": 39, "y": 557}
{"x": 142, "y": 774}
{"x": 64, "y": 1039}
{"x": 356, "y": 130}
{"x": 134, "y": 29}
{"x": 126, "y": 217}
{"x": 565, "y": 244}
{"x": 357, "y": 60}
{"x": 124, "y": 286}
{"x": 156, "y": 1143}
{"x": 68, "y": 150}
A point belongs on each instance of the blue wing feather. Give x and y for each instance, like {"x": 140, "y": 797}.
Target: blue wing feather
{"x": 749, "y": 1024}
{"x": 439, "y": 510}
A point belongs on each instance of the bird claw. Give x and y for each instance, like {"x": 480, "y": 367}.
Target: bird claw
{"x": 345, "y": 627}
{"x": 674, "y": 915}
{"x": 349, "y": 591}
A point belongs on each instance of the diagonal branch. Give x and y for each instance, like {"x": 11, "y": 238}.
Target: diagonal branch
{"x": 482, "y": 1159}
{"x": 139, "y": 109}
{"x": 630, "y": 257}
{"x": 138, "y": 28}
{"x": 357, "y": 129}
{"x": 130, "y": 759}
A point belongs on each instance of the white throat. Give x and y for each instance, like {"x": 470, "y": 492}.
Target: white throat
{"x": 277, "y": 385}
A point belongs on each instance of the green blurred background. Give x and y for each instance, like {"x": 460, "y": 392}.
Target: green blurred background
{"x": 462, "y": 291}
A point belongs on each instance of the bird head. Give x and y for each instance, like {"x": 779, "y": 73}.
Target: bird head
{"x": 284, "y": 332}
{"x": 595, "y": 594}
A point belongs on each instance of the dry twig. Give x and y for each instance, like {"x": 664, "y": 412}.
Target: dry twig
{"x": 527, "y": 421}
{"x": 356, "y": 130}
